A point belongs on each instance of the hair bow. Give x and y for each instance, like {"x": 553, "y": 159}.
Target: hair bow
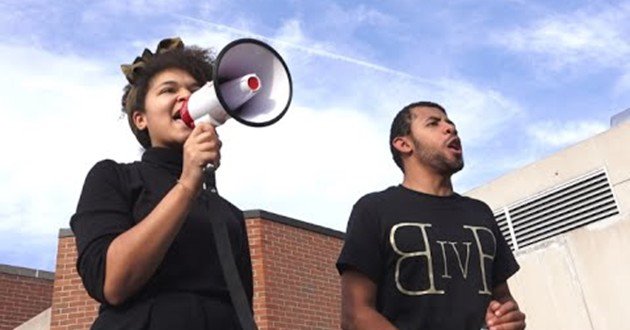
{"x": 134, "y": 70}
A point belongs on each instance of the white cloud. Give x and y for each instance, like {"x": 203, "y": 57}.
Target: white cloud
{"x": 347, "y": 21}
{"x": 560, "y": 134}
{"x": 587, "y": 36}
{"x": 61, "y": 116}
{"x": 312, "y": 165}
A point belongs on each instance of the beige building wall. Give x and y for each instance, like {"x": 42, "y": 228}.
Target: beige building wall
{"x": 39, "y": 322}
{"x": 580, "y": 279}
{"x": 610, "y": 149}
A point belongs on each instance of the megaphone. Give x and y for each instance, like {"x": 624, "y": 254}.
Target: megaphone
{"x": 250, "y": 83}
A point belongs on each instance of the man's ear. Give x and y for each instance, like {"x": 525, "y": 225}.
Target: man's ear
{"x": 402, "y": 144}
{"x": 139, "y": 119}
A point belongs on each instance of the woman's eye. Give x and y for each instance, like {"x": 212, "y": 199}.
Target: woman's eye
{"x": 167, "y": 90}
{"x": 194, "y": 88}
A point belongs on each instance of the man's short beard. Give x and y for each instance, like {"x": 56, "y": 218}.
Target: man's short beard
{"x": 438, "y": 161}
{"x": 441, "y": 164}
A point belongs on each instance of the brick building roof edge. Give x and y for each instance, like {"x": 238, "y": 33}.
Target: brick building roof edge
{"x": 293, "y": 222}
{"x": 28, "y": 272}
{"x": 258, "y": 213}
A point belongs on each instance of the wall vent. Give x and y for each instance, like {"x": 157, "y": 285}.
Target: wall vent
{"x": 568, "y": 206}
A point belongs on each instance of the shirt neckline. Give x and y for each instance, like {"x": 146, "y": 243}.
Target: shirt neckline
{"x": 166, "y": 158}
{"x": 451, "y": 197}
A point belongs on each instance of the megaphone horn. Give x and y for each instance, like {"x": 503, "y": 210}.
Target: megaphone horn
{"x": 250, "y": 83}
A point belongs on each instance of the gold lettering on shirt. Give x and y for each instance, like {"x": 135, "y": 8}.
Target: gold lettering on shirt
{"x": 444, "y": 259}
{"x": 463, "y": 267}
{"x": 482, "y": 255}
{"x": 414, "y": 254}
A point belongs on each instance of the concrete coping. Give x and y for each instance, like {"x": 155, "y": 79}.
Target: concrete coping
{"x": 262, "y": 214}
{"x": 622, "y": 117}
{"x": 27, "y": 272}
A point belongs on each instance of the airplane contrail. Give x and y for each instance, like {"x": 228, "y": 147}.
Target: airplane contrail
{"x": 311, "y": 51}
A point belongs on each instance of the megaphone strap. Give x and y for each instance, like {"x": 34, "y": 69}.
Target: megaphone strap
{"x": 226, "y": 259}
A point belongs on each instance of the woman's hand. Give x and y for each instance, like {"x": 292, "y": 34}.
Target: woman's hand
{"x": 202, "y": 148}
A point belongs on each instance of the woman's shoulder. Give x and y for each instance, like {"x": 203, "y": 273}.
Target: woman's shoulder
{"x": 106, "y": 164}
{"x": 111, "y": 170}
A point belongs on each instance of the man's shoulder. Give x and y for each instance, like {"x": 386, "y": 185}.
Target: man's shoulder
{"x": 473, "y": 202}
{"x": 381, "y": 196}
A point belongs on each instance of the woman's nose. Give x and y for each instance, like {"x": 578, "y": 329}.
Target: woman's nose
{"x": 183, "y": 94}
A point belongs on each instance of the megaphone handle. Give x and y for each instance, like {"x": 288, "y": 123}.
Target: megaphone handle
{"x": 209, "y": 179}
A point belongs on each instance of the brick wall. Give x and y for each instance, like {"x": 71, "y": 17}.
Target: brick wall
{"x": 295, "y": 283}
{"x": 72, "y": 308}
{"x": 24, "y": 293}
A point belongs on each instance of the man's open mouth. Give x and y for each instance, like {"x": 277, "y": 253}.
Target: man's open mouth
{"x": 455, "y": 144}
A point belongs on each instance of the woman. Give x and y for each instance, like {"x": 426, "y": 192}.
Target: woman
{"x": 143, "y": 229}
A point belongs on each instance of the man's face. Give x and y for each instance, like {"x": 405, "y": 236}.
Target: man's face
{"x": 435, "y": 141}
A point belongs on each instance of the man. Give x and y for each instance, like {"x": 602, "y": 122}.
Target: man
{"x": 418, "y": 255}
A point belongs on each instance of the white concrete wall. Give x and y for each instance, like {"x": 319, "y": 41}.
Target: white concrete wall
{"x": 580, "y": 279}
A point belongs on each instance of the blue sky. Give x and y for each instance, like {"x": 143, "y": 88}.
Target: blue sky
{"x": 522, "y": 79}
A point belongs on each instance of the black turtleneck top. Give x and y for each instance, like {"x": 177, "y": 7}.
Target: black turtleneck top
{"x": 187, "y": 290}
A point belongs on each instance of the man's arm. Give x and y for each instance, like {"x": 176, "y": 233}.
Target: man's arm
{"x": 503, "y": 312}
{"x": 358, "y": 301}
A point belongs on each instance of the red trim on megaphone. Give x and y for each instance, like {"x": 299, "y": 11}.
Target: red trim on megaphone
{"x": 253, "y": 83}
{"x": 185, "y": 114}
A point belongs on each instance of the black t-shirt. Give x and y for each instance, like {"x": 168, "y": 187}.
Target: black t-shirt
{"x": 435, "y": 260}
{"x": 188, "y": 289}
